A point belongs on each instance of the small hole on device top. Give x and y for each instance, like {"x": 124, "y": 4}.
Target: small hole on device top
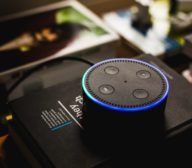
{"x": 125, "y": 81}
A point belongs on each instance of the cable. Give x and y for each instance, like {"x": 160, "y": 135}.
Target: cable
{"x": 32, "y": 70}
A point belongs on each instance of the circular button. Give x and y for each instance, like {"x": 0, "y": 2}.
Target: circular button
{"x": 106, "y": 89}
{"x": 143, "y": 74}
{"x": 111, "y": 70}
{"x": 140, "y": 93}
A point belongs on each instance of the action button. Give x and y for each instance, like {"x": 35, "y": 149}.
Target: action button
{"x": 111, "y": 70}
{"x": 143, "y": 74}
{"x": 140, "y": 93}
{"x": 106, "y": 89}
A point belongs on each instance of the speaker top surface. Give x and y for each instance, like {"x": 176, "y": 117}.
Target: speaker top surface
{"x": 125, "y": 84}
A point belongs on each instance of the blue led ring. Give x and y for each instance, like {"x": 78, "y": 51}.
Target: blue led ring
{"x": 120, "y": 109}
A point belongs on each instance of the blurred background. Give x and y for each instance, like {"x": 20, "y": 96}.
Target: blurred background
{"x": 98, "y": 30}
{"x": 98, "y": 6}
{"x": 110, "y": 28}
{"x": 162, "y": 28}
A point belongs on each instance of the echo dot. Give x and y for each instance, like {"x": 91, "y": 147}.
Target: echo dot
{"x": 124, "y": 95}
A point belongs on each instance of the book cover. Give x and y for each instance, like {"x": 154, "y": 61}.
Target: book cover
{"x": 49, "y": 121}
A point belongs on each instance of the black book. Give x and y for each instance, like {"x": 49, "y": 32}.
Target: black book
{"x": 48, "y": 122}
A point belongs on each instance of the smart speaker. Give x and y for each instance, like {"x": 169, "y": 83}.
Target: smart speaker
{"x": 124, "y": 99}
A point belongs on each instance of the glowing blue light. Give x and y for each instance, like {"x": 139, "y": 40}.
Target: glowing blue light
{"x": 120, "y": 109}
